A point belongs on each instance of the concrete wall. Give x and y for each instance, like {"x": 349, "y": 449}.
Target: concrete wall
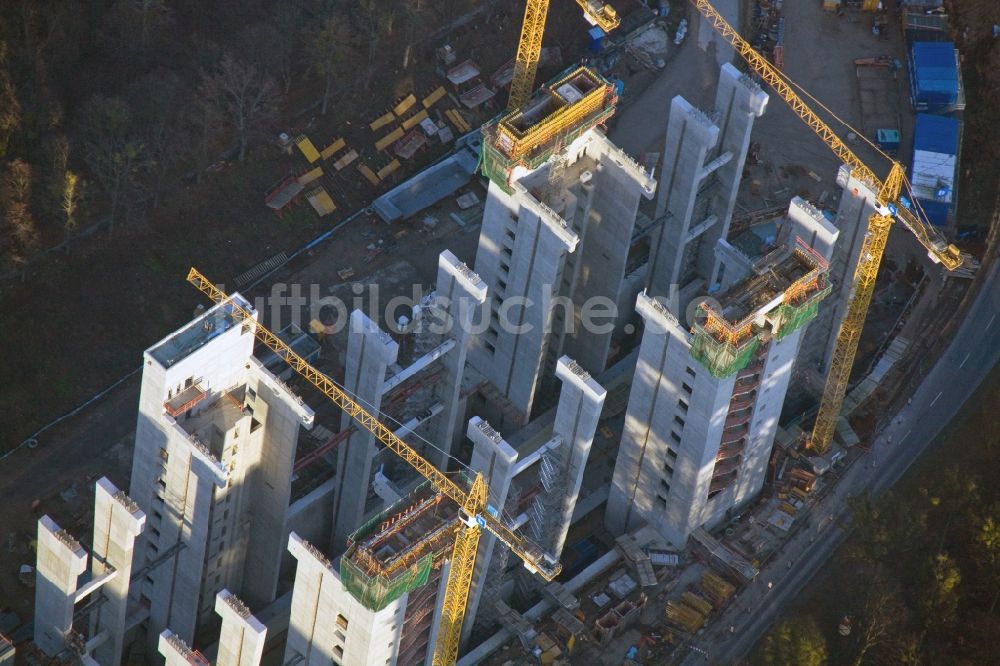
{"x": 703, "y": 162}
{"x": 522, "y": 250}
{"x": 607, "y": 208}
{"x": 60, "y": 561}
{"x": 857, "y": 204}
{"x": 117, "y": 523}
{"x": 494, "y": 458}
{"x": 738, "y": 102}
{"x": 327, "y": 625}
{"x": 241, "y": 638}
{"x": 267, "y": 469}
{"x": 202, "y": 477}
{"x": 370, "y": 351}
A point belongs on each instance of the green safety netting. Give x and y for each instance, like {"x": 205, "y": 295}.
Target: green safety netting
{"x": 793, "y": 317}
{"x": 721, "y": 358}
{"x": 377, "y": 592}
{"x": 497, "y": 167}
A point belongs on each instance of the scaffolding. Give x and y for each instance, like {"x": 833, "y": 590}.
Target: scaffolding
{"x": 574, "y": 102}
{"x": 394, "y": 552}
{"x": 722, "y": 357}
{"x": 782, "y": 295}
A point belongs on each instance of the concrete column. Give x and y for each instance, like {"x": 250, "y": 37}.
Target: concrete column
{"x": 313, "y": 574}
{"x": 241, "y": 638}
{"x": 610, "y": 202}
{"x": 654, "y": 426}
{"x": 60, "y": 561}
{"x": 522, "y": 252}
{"x": 117, "y": 523}
{"x": 177, "y": 652}
{"x": 494, "y": 458}
{"x": 370, "y": 351}
{"x": 181, "y": 580}
{"x": 690, "y": 136}
{"x": 327, "y": 624}
{"x": 580, "y": 403}
{"x": 738, "y": 101}
{"x": 460, "y": 293}
{"x": 857, "y": 204}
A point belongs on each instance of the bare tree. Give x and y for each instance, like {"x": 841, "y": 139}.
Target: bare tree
{"x": 376, "y": 19}
{"x": 881, "y": 612}
{"x": 10, "y": 108}
{"x": 331, "y": 49}
{"x": 158, "y": 98}
{"x": 113, "y": 151}
{"x": 242, "y": 95}
{"x": 71, "y": 192}
{"x": 20, "y": 235}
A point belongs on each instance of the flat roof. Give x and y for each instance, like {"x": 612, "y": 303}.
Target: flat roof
{"x": 213, "y": 323}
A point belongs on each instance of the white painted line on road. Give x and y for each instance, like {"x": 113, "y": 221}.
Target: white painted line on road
{"x": 903, "y": 438}
{"x": 935, "y": 398}
{"x": 962, "y": 364}
{"x": 990, "y": 322}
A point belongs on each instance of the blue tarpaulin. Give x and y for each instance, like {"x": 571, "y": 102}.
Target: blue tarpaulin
{"x": 934, "y": 77}
{"x": 935, "y": 159}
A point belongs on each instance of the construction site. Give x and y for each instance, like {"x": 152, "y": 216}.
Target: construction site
{"x": 624, "y": 365}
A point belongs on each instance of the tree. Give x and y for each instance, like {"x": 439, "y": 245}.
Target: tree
{"x": 241, "y": 95}
{"x": 133, "y": 27}
{"x": 158, "y": 98}
{"x": 269, "y": 48}
{"x": 987, "y": 551}
{"x": 881, "y": 611}
{"x": 113, "y": 151}
{"x": 376, "y": 19}
{"x": 20, "y": 235}
{"x": 10, "y": 108}
{"x": 71, "y": 191}
{"x": 796, "y": 642}
{"x": 330, "y": 49}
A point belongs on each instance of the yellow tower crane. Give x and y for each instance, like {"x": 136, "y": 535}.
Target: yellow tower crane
{"x": 529, "y": 48}
{"x": 889, "y": 208}
{"x": 472, "y": 503}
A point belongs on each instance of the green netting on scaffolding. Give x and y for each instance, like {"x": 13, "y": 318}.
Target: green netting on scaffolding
{"x": 722, "y": 359}
{"x": 794, "y": 317}
{"x": 378, "y": 591}
{"x": 497, "y": 167}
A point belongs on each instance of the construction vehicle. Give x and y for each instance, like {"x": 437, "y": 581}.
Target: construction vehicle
{"x": 471, "y": 502}
{"x": 529, "y": 48}
{"x": 895, "y": 202}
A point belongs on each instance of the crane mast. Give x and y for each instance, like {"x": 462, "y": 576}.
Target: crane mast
{"x": 529, "y": 47}
{"x": 472, "y": 504}
{"x": 889, "y": 208}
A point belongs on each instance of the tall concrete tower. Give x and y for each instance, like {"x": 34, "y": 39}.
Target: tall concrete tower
{"x": 706, "y": 397}
{"x": 556, "y": 235}
{"x": 214, "y": 449}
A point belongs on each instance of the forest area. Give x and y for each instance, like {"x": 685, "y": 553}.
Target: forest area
{"x": 105, "y": 105}
{"x": 918, "y": 579}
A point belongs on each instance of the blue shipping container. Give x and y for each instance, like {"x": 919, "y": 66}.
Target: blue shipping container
{"x": 935, "y": 161}
{"x": 596, "y": 40}
{"x": 934, "y": 79}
